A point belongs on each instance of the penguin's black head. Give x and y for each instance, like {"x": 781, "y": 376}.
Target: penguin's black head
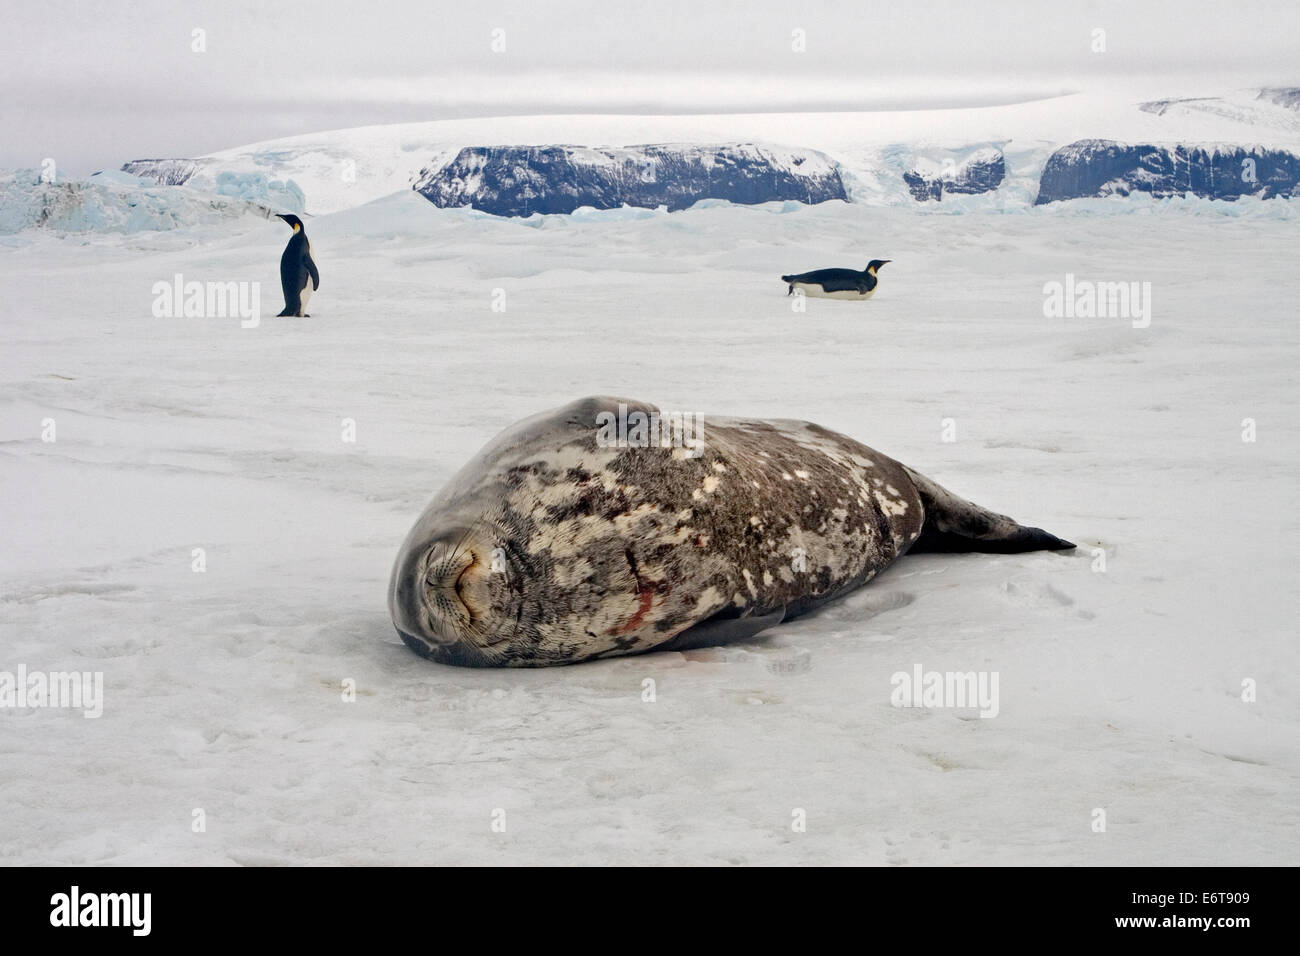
{"x": 293, "y": 221}
{"x": 874, "y": 265}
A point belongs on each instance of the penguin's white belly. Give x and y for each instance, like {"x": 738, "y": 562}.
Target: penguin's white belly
{"x": 815, "y": 291}
{"x": 308, "y": 287}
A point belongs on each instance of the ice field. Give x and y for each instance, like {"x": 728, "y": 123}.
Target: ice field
{"x": 1121, "y": 688}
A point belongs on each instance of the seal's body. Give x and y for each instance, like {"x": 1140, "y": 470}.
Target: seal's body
{"x": 299, "y": 277}
{"x": 837, "y": 283}
{"x": 561, "y": 542}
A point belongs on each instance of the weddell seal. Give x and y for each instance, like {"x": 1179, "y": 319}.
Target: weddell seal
{"x": 597, "y": 530}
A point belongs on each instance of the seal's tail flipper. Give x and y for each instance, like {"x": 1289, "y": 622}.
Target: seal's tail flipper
{"x": 954, "y": 524}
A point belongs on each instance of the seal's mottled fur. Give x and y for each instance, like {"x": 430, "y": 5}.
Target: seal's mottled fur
{"x": 550, "y": 549}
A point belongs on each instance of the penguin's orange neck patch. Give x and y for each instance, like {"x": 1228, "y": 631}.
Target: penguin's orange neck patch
{"x": 296, "y": 227}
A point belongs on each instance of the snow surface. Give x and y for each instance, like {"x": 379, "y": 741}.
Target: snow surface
{"x": 1119, "y": 690}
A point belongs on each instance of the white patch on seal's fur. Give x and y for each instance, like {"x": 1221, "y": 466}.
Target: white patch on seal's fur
{"x": 890, "y": 506}
{"x": 568, "y": 574}
{"x": 709, "y": 601}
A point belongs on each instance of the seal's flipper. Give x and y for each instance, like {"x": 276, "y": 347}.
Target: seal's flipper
{"x": 722, "y": 629}
{"x": 954, "y": 524}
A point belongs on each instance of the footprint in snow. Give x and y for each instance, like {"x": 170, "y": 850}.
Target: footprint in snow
{"x": 1041, "y": 596}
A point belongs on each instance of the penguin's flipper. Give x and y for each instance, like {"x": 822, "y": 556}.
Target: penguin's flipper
{"x": 311, "y": 271}
{"x": 841, "y": 285}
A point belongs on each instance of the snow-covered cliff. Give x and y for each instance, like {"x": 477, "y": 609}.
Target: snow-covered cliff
{"x": 1097, "y": 167}
{"x": 522, "y": 180}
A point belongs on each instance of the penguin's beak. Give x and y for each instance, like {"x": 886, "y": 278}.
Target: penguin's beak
{"x": 884, "y": 261}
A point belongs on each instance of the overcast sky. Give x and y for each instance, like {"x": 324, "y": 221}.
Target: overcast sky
{"x": 94, "y": 84}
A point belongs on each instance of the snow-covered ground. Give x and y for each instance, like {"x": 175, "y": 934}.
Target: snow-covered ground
{"x": 1120, "y": 690}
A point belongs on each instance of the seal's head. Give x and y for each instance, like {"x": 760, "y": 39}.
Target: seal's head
{"x": 553, "y": 545}
{"x": 458, "y": 594}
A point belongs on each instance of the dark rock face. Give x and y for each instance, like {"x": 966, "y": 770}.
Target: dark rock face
{"x": 980, "y": 174}
{"x": 522, "y": 180}
{"x": 1098, "y": 167}
{"x": 164, "y": 172}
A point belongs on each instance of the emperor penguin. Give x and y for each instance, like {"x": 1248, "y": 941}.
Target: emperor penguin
{"x": 838, "y": 283}
{"x": 298, "y": 275}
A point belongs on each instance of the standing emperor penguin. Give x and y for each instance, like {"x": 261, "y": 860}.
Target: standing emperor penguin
{"x": 298, "y": 275}
{"x": 837, "y": 283}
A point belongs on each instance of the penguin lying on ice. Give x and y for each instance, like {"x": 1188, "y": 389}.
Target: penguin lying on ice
{"x": 837, "y": 283}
